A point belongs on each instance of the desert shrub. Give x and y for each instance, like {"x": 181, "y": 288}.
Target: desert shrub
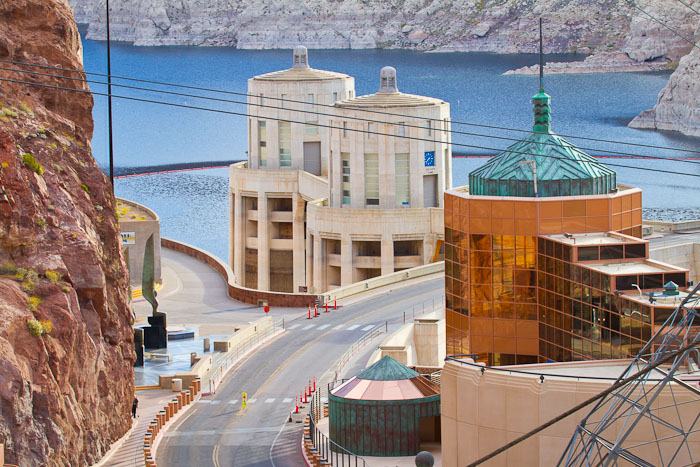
{"x": 33, "y": 303}
{"x": 8, "y": 268}
{"x": 47, "y": 326}
{"x": 31, "y": 163}
{"x": 54, "y": 276}
{"x": 35, "y": 327}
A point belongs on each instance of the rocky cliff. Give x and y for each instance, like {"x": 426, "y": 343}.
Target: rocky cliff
{"x": 502, "y": 26}
{"x": 678, "y": 107}
{"x": 66, "y": 345}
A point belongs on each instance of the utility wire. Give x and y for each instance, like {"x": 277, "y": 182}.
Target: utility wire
{"x": 321, "y": 125}
{"x": 379, "y": 112}
{"x": 316, "y": 113}
{"x": 696, "y": 11}
{"x": 631, "y": 2}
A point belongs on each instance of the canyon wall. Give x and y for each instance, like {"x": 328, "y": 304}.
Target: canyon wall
{"x": 66, "y": 344}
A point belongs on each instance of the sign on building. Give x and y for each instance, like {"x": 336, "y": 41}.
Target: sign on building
{"x": 128, "y": 238}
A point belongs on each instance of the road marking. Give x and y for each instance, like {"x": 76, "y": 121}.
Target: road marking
{"x": 324, "y": 399}
{"x": 215, "y": 456}
{"x": 338, "y": 327}
{"x": 215, "y": 402}
{"x": 306, "y": 328}
{"x": 233, "y": 401}
{"x": 367, "y": 328}
{"x": 204, "y": 401}
{"x": 323, "y": 327}
{"x": 287, "y": 400}
{"x": 250, "y": 401}
{"x": 270, "y": 400}
{"x": 294, "y": 326}
{"x": 353, "y": 327}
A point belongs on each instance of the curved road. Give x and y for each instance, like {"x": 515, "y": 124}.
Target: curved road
{"x": 218, "y": 432}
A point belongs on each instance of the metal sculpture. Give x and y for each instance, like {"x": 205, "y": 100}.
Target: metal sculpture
{"x": 637, "y": 424}
{"x": 155, "y": 335}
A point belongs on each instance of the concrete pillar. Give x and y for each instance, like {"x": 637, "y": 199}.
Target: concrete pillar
{"x": 345, "y": 261}
{"x": 387, "y": 254}
{"x": 429, "y": 244}
{"x": 309, "y": 260}
{"x": 298, "y": 245}
{"x": 176, "y": 385}
{"x": 319, "y": 272}
{"x": 263, "y": 243}
{"x": 239, "y": 239}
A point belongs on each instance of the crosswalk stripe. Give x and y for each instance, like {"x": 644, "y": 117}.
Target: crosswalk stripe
{"x": 367, "y": 328}
{"x": 215, "y": 402}
{"x": 270, "y": 400}
{"x": 306, "y": 328}
{"x": 250, "y": 401}
{"x": 287, "y": 400}
{"x": 233, "y": 401}
{"x": 353, "y": 327}
{"x": 323, "y": 327}
{"x": 338, "y": 327}
{"x": 204, "y": 401}
{"x": 324, "y": 399}
{"x": 294, "y": 326}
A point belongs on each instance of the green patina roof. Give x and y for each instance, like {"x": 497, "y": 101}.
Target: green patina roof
{"x": 562, "y": 169}
{"x": 387, "y": 369}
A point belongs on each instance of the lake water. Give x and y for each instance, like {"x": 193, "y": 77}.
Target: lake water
{"x": 193, "y": 205}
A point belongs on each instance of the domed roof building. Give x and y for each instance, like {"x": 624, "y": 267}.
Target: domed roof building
{"x": 383, "y": 411}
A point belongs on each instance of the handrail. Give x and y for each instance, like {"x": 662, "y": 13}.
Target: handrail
{"x": 232, "y": 356}
{"x": 455, "y": 358}
{"x": 356, "y": 346}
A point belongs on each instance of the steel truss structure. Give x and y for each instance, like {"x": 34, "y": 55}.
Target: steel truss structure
{"x": 654, "y": 419}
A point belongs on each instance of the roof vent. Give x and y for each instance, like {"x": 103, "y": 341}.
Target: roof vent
{"x": 301, "y": 57}
{"x": 387, "y": 80}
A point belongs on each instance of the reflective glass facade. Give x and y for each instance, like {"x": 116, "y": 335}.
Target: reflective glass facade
{"x": 515, "y": 295}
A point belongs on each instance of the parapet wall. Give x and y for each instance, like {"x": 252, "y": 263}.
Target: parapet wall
{"x": 235, "y": 291}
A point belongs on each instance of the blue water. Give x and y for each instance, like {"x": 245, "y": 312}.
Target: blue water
{"x": 192, "y": 205}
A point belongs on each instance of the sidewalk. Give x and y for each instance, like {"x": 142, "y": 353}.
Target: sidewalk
{"x": 130, "y": 452}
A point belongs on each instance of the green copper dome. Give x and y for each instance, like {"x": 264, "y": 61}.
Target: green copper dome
{"x": 545, "y": 160}
{"x": 387, "y": 369}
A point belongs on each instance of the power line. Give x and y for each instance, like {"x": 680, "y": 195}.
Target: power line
{"x": 379, "y": 112}
{"x": 696, "y": 11}
{"x": 316, "y": 113}
{"x": 320, "y": 125}
{"x": 631, "y": 2}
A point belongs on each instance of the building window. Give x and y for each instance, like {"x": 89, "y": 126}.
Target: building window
{"x": 285, "y": 140}
{"x": 370, "y": 130}
{"x": 262, "y": 142}
{"x": 345, "y": 156}
{"x": 335, "y": 97}
{"x": 261, "y": 99}
{"x": 310, "y": 99}
{"x": 345, "y": 129}
{"x": 284, "y": 97}
{"x": 311, "y": 127}
{"x": 351, "y": 94}
{"x": 428, "y": 128}
{"x": 401, "y": 129}
{"x": 403, "y": 190}
{"x": 371, "y": 179}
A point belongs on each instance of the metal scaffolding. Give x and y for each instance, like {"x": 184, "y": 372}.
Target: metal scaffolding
{"x": 638, "y": 425}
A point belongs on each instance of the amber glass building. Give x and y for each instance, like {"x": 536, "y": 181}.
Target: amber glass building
{"x": 543, "y": 258}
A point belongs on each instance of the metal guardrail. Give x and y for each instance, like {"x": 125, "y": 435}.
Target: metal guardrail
{"x": 216, "y": 373}
{"x": 357, "y": 346}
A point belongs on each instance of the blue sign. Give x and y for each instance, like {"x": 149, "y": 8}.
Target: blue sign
{"x": 430, "y": 158}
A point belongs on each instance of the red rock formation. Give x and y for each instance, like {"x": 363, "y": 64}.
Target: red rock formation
{"x": 64, "y": 395}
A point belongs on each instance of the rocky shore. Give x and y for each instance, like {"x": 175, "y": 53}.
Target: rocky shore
{"x": 604, "y": 62}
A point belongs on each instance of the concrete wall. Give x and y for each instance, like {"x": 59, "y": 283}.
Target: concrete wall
{"x": 482, "y": 412}
{"x": 684, "y": 256}
{"x": 667, "y": 227}
{"x": 142, "y": 230}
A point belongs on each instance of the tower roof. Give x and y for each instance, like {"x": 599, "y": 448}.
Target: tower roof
{"x": 387, "y": 369}
{"x": 300, "y": 70}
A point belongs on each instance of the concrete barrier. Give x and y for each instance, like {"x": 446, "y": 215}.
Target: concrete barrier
{"x": 381, "y": 281}
{"x": 235, "y": 291}
{"x": 225, "y": 345}
{"x": 682, "y": 226}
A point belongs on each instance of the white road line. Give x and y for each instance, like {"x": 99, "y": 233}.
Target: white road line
{"x": 215, "y": 402}
{"x": 353, "y": 327}
{"x": 294, "y": 326}
{"x": 204, "y": 401}
{"x": 323, "y": 327}
{"x": 233, "y": 401}
{"x": 306, "y": 328}
{"x": 338, "y": 327}
{"x": 367, "y": 328}
{"x": 270, "y": 401}
{"x": 250, "y": 401}
{"x": 287, "y": 400}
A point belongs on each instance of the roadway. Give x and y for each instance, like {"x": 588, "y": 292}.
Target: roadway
{"x": 219, "y": 432}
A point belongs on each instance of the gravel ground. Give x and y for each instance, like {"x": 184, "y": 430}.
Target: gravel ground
{"x": 670, "y": 214}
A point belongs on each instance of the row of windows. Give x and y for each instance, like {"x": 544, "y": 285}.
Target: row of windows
{"x": 310, "y": 99}
{"x": 371, "y": 130}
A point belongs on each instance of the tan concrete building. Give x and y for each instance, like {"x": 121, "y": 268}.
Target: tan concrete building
{"x": 329, "y": 196}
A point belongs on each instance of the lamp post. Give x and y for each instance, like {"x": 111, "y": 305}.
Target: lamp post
{"x": 109, "y": 102}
